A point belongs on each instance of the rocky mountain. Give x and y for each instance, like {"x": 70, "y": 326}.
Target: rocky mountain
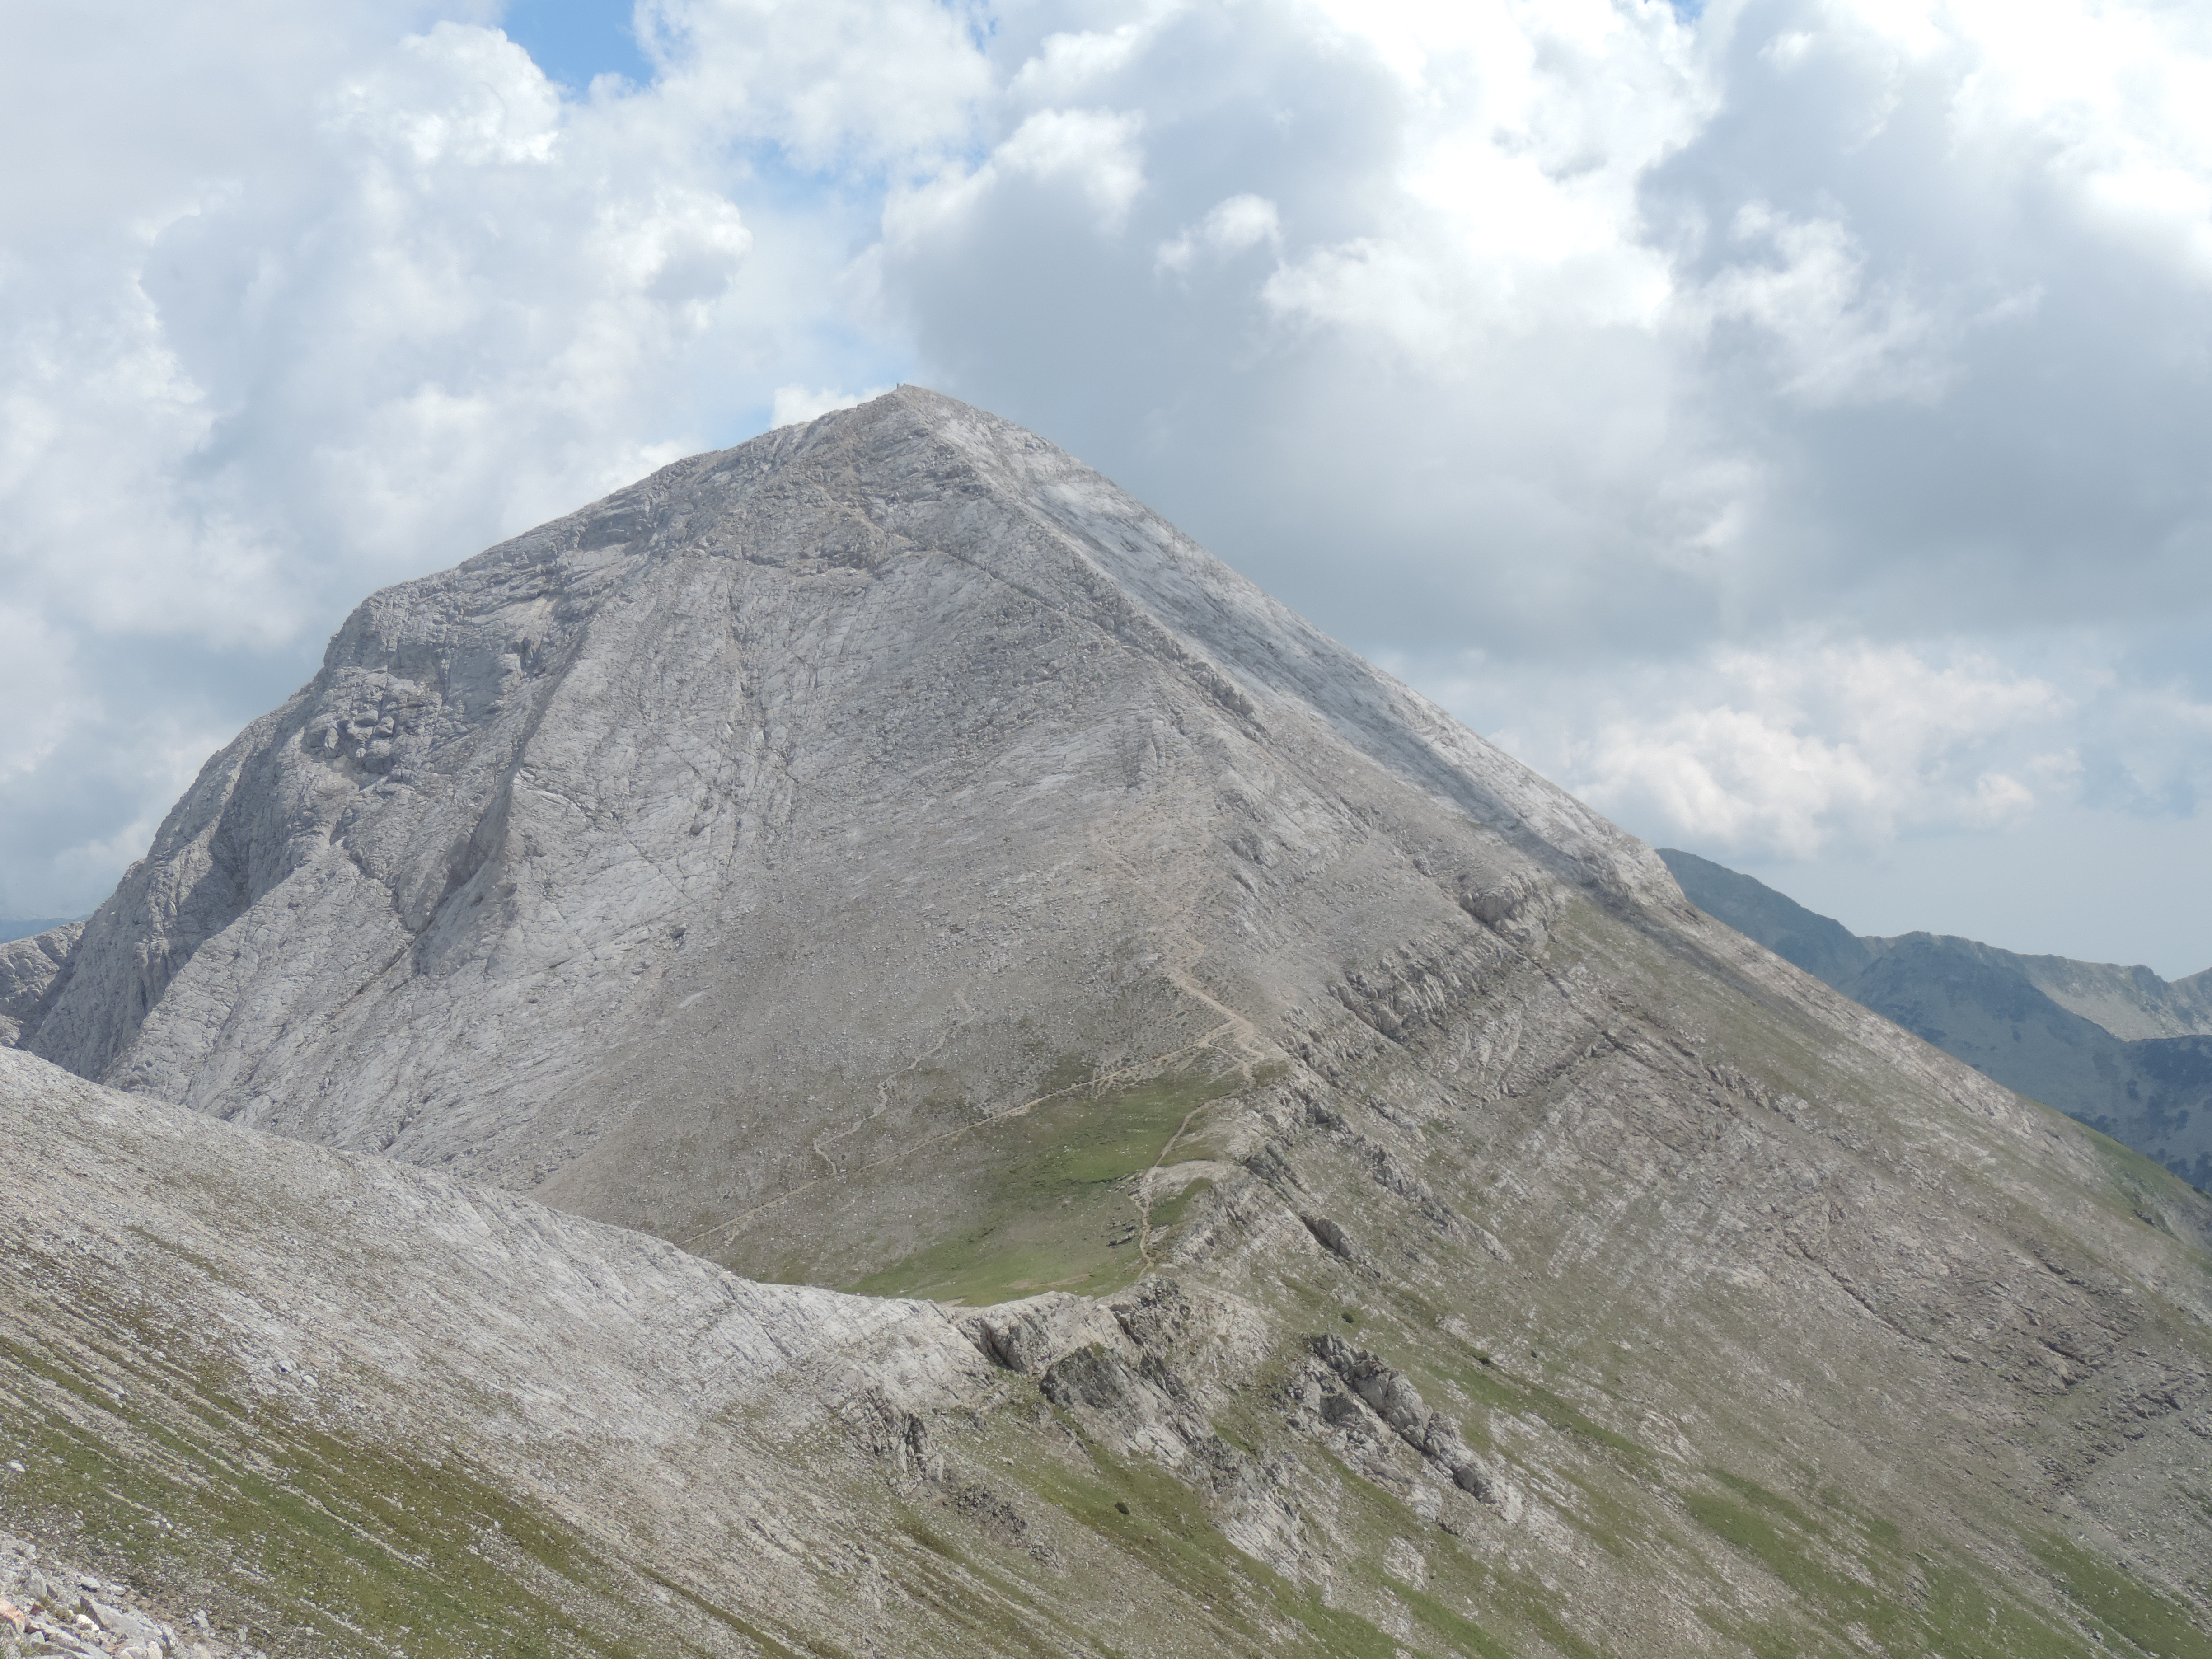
{"x": 1250, "y": 1168}
{"x": 2118, "y": 1047}
{"x": 31, "y": 973}
{"x": 807, "y": 809}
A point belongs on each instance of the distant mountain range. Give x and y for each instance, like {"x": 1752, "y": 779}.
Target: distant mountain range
{"x": 2120, "y": 1048}
{"x": 15, "y": 928}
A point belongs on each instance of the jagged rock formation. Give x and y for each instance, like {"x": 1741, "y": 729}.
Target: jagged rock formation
{"x": 47, "y": 1605}
{"x": 352, "y": 1407}
{"x": 1387, "y": 1215}
{"x": 2118, "y": 1047}
{"x": 31, "y": 969}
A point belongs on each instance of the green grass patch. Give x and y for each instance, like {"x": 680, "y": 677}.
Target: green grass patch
{"x": 1909, "y": 1604}
{"x": 1491, "y": 1384}
{"x": 1169, "y": 1211}
{"x": 2153, "y": 1622}
{"x": 1773, "y": 1503}
{"x": 1148, "y": 1515}
{"x": 1143, "y": 1511}
{"x": 1962, "y": 1618}
{"x": 1463, "y": 1633}
{"x": 358, "y": 1548}
{"x": 1058, "y": 1208}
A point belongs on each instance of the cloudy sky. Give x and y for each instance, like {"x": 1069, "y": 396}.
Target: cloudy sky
{"x": 1786, "y": 424}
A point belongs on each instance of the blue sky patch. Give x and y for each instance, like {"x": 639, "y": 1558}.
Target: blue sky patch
{"x": 574, "y": 40}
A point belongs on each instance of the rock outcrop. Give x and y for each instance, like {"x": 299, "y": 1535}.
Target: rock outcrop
{"x": 48, "y": 1606}
{"x": 31, "y": 972}
{"x": 294, "y": 1389}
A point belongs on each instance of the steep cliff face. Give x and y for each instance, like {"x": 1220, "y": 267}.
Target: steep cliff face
{"x": 31, "y": 972}
{"x": 1387, "y": 1215}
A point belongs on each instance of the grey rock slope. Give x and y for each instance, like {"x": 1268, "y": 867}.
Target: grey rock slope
{"x": 803, "y": 803}
{"x": 2118, "y": 1047}
{"x": 2131, "y": 1003}
{"x": 356, "y": 1408}
{"x": 887, "y": 857}
{"x": 351, "y": 1408}
{"x": 30, "y": 971}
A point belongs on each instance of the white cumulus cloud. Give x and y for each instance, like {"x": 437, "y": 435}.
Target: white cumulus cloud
{"x": 1789, "y": 750}
{"x": 1793, "y": 412}
{"x": 1236, "y": 225}
{"x": 794, "y": 404}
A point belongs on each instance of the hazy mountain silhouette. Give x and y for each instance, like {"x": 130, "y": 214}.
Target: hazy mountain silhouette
{"x": 2118, "y": 1047}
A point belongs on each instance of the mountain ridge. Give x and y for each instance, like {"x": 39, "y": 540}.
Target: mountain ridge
{"x": 2031, "y": 1022}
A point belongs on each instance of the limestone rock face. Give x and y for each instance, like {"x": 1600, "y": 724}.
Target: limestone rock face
{"x": 224, "y": 1354}
{"x": 31, "y": 972}
{"x": 803, "y": 803}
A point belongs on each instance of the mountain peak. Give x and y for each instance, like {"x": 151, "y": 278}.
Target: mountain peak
{"x": 869, "y": 741}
